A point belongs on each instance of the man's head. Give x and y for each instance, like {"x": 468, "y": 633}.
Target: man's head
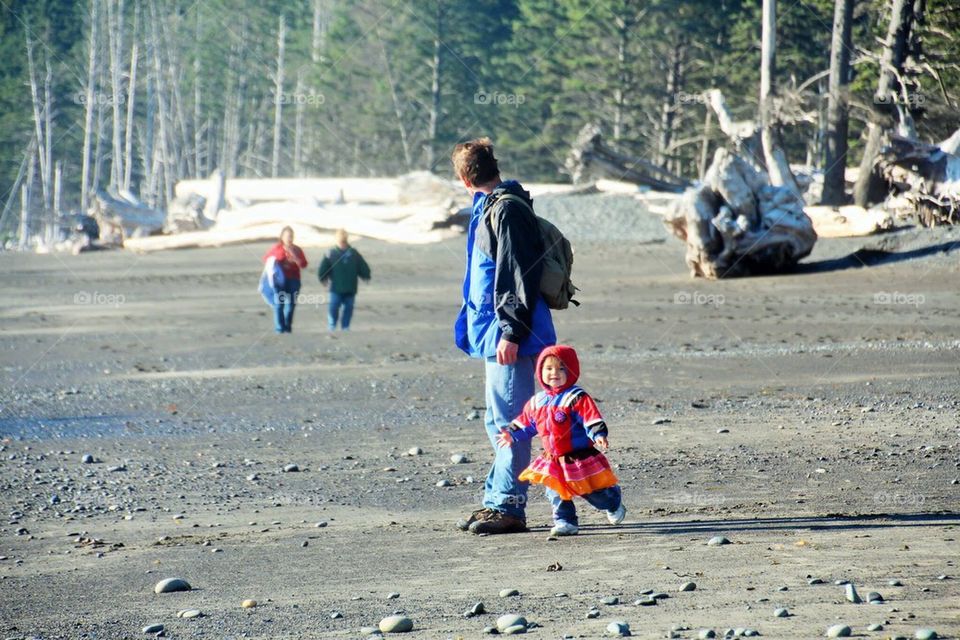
{"x": 286, "y": 236}
{"x": 475, "y": 165}
{"x": 341, "y": 237}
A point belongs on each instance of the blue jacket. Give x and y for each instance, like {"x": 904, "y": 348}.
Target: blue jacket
{"x": 501, "y": 286}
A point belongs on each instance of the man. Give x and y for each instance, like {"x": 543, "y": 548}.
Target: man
{"x": 503, "y": 320}
{"x": 341, "y": 268}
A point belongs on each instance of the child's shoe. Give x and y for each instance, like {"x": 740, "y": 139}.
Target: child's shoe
{"x": 616, "y": 517}
{"x": 564, "y": 529}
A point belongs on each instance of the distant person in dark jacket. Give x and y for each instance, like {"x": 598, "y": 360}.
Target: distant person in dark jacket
{"x": 341, "y": 268}
{"x": 289, "y": 257}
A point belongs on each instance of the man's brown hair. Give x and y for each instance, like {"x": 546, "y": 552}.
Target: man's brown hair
{"x": 474, "y": 161}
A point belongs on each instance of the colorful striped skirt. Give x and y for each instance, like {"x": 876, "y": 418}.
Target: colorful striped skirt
{"x": 575, "y": 474}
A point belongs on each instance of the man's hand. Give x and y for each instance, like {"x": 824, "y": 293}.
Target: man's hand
{"x": 507, "y": 352}
{"x": 602, "y": 443}
{"x": 504, "y": 439}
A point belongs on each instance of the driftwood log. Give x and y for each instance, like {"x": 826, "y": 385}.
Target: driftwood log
{"x": 735, "y": 223}
{"x": 591, "y": 158}
{"x": 926, "y": 176}
{"x": 126, "y": 212}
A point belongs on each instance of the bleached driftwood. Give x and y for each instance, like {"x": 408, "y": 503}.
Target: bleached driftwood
{"x": 734, "y": 223}
{"x": 927, "y": 176}
{"x": 306, "y": 236}
{"x": 134, "y": 218}
{"x": 848, "y": 221}
{"x": 591, "y": 158}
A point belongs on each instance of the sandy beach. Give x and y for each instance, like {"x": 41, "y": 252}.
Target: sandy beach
{"x": 812, "y": 419}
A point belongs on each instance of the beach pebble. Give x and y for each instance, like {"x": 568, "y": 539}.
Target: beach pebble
{"x": 894, "y": 583}
{"x": 750, "y": 633}
{"x": 812, "y": 581}
{"x": 645, "y": 601}
{"x": 87, "y": 459}
{"x": 514, "y": 630}
{"x": 781, "y": 613}
{"x": 509, "y": 593}
{"x": 291, "y": 468}
{"x": 153, "y": 628}
{"x": 508, "y": 620}
{"x": 852, "y": 595}
{"x": 189, "y": 613}
{"x": 688, "y": 586}
{"x": 458, "y": 458}
{"x": 336, "y": 615}
{"x": 444, "y": 483}
{"x": 491, "y": 630}
{"x": 610, "y": 600}
{"x": 706, "y": 634}
{"x": 253, "y": 477}
{"x": 875, "y": 627}
{"x": 369, "y": 631}
{"x": 723, "y": 430}
{"x": 477, "y": 610}
{"x": 593, "y": 613}
{"x": 925, "y": 634}
{"x": 248, "y": 604}
{"x": 321, "y": 524}
{"x": 396, "y": 624}
{"x": 874, "y": 598}
{"x": 393, "y": 595}
{"x": 716, "y": 541}
{"x": 473, "y": 415}
{"x": 414, "y": 451}
{"x": 171, "y": 584}
{"x": 839, "y": 631}
{"x": 618, "y": 628}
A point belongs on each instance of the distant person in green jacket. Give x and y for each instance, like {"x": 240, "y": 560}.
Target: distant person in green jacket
{"x": 341, "y": 268}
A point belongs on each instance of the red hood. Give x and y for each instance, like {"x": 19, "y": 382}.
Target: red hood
{"x": 570, "y": 361}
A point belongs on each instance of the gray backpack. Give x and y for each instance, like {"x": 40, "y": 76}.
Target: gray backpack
{"x": 556, "y": 287}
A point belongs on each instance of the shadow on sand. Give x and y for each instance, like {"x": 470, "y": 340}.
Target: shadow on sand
{"x": 806, "y": 523}
{"x": 873, "y": 258}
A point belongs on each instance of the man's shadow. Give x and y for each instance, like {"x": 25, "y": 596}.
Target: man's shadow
{"x": 834, "y": 522}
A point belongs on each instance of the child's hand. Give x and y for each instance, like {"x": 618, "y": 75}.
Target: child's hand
{"x": 602, "y": 443}
{"x": 504, "y": 439}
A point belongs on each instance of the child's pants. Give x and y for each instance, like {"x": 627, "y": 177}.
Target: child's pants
{"x": 564, "y": 510}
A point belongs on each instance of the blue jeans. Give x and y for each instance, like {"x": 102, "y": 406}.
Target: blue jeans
{"x": 283, "y": 305}
{"x": 338, "y": 300}
{"x": 565, "y": 511}
{"x": 508, "y": 387}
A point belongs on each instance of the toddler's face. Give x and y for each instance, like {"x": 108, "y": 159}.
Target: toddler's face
{"x": 554, "y": 373}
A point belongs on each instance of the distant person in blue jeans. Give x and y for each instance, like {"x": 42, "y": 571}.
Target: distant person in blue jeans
{"x": 290, "y": 259}
{"x": 503, "y": 321}
{"x": 341, "y": 268}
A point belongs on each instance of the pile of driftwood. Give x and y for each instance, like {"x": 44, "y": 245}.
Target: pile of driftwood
{"x": 923, "y": 178}
{"x": 735, "y": 223}
{"x": 411, "y": 209}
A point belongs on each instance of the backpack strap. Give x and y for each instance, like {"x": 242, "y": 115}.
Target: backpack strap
{"x": 512, "y": 198}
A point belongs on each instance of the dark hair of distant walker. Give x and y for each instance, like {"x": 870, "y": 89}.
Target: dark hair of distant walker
{"x": 474, "y": 161}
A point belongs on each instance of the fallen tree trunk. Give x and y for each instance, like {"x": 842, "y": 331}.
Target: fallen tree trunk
{"x": 736, "y": 224}
{"x": 591, "y": 158}
{"x": 134, "y": 218}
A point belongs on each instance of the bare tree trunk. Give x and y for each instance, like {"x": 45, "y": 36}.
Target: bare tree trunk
{"x": 868, "y": 187}
{"x": 88, "y": 111}
{"x": 837, "y": 121}
{"x": 777, "y": 166}
{"x": 298, "y": 125}
{"x": 435, "y": 87}
{"x": 38, "y": 123}
{"x": 321, "y": 19}
{"x": 668, "y": 109}
{"x": 166, "y": 160}
{"x": 278, "y": 97}
{"x": 98, "y": 148}
{"x": 131, "y": 98}
{"x": 58, "y": 191}
{"x": 26, "y": 193}
{"x": 705, "y": 144}
{"x": 397, "y": 107}
{"x": 197, "y": 104}
{"x": 619, "y": 93}
{"x": 115, "y": 46}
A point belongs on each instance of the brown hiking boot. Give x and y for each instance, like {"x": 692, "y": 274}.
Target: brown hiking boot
{"x": 499, "y": 522}
{"x": 480, "y": 514}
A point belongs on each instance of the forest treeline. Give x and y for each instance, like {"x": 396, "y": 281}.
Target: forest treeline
{"x": 137, "y": 94}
